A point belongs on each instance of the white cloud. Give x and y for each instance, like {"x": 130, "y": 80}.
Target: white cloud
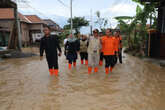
{"x": 120, "y": 9}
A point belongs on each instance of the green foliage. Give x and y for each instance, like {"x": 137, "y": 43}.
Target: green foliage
{"x": 78, "y": 22}
{"x": 63, "y": 35}
{"x": 135, "y": 28}
{"x": 124, "y": 18}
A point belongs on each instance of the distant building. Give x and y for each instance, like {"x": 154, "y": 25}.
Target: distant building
{"x": 6, "y": 24}
{"x": 35, "y": 28}
{"x": 55, "y": 28}
{"x": 31, "y": 27}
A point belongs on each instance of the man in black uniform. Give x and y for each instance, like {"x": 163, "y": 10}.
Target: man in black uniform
{"x": 50, "y": 44}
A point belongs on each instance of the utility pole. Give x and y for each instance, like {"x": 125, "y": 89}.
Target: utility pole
{"x": 91, "y": 25}
{"x": 18, "y": 29}
{"x": 71, "y": 31}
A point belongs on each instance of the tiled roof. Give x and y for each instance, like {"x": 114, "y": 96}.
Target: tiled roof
{"x": 6, "y": 13}
{"x": 34, "y": 19}
{"x": 23, "y": 18}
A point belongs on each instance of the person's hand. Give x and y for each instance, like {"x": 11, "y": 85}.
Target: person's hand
{"x": 41, "y": 58}
{"x": 116, "y": 53}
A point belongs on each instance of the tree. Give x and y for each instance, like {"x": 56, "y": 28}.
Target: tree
{"x": 102, "y": 22}
{"x": 78, "y": 22}
{"x": 127, "y": 24}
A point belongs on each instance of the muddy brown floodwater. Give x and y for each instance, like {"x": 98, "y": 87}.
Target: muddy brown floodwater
{"x": 25, "y": 84}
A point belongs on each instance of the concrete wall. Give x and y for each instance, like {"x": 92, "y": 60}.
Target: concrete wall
{"x": 25, "y": 33}
{"x": 6, "y": 24}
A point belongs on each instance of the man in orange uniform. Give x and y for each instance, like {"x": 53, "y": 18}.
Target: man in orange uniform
{"x": 109, "y": 50}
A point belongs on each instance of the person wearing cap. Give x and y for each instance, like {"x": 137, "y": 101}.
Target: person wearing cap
{"x": 94, "y": 49}
{"x": 72, "y": 47}
{"x": 83, "y": 49}
{"x": 109, "y": 50}
{"x": 49, "y": 44}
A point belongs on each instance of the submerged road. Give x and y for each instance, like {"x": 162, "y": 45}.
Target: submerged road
{"x": 25, "y": 84}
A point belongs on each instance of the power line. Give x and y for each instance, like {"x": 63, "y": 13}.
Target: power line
{"x": 63, "y": 3}
{"x": 34, "y": 9}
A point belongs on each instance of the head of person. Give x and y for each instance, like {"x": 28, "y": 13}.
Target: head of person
{"x": 118, "y": 32}
{"x": 101, "y": 34}
{"x": 46, "y": 31}
{"x": 108, "y": 32}
{"x": 95, "y": 32}
{"x": 70, "y": 36}
{"x": 84, "y": 37}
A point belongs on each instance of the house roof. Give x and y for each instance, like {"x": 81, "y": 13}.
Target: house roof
{"x": 7, "y": 13}
{"x": 34, "y": 19}
{"x": 49, "y": 22}
{"x": 23, "y": 18}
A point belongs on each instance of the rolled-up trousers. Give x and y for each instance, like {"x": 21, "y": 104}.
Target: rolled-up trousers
{"x": 93, "y": 59}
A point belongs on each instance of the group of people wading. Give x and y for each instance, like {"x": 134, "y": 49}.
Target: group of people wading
{"x": 92, "y": 50}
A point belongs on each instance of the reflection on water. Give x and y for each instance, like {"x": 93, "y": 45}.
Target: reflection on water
{"x": 26, "y": 85}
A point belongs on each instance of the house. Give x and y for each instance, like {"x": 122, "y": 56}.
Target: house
{"x": 14, "y": 41}
{"x": 156, "y": 39}
{"x": 6, "y": 23}
{"x": 55, "y": 28}
{"x": 35, "y": 27}
{"x": 31, "y": 27}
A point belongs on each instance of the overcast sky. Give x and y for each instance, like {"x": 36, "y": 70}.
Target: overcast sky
{"x": 108, "y": 8}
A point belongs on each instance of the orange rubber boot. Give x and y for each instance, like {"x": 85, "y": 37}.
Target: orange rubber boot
{"x": 74, "y": 64}
{"x": 96, "y": 69}
{"x": 51, "y": 71}
{"x": 56, "y": 72}
{"x": 101, "y": 63}
{"x": 89, "y": 70}
{"x": 107, "y": 70}
{"x": 111, "y": 68}
{"x": 86, "y": 62}
{"x": 70, "y": 66}
{"x": 82, "y": 62}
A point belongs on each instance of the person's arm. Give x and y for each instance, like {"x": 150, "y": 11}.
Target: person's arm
{"x": 58, "y": 47}
{"x": 121, "y": 46}
{"x": 115, "y": 46}
{"x": 41, "y": 49}
{"x": 100, "y": 44}
{"x": 87, "y": 42}
{"x": 78, "y": 45}
{"x": 102, "y": 40}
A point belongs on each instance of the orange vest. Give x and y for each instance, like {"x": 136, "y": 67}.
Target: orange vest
{"x": 108, "y": 45}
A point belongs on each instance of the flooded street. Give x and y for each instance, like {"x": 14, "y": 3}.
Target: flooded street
{"x": 25, "y": 84}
